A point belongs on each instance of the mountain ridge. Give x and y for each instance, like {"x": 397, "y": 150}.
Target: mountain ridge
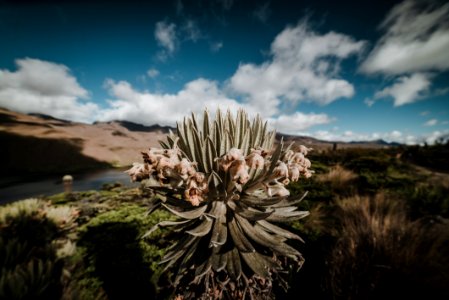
{"x": 133, "y": 126}
{"x": 114, "y": 143}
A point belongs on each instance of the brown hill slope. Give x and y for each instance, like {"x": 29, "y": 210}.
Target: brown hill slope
{"x": 321, "y": 145}
{"x": 36, "y": 143}
{"x": 31, "y": 142}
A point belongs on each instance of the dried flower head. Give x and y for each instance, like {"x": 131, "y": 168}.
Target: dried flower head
{"x": 255, "y": 160}
{"x": 304, "y": 150}
{"x": 239, "y": 171}
{"x": 185, "y": 168}
{"x": 139, "y": 171}
{"x": 281, "y": 169}
{"x": 276, "y": 189}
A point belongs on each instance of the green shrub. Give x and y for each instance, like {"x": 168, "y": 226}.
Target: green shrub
{"x": 117, "y": 257}
{"x": 370, "y": 164}
{"x": 30, "y": 267}
{"x": 433, "y": 157}
{"x": 427, "y": 199}
{"x": 318, "y": 192}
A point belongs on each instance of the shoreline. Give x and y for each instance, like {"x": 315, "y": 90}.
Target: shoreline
{"x": 26, "y": 187}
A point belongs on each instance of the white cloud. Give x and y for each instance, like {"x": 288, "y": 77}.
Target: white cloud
{"x": 369, "y": 102}
{"x": 425, "y": 113}
{"x": 44, "y": 87}
{"x": 416, "y": 40}
{"x": 304, "y": 67}
{"x": 165, "y": 35}
{"x": 165, "y": 109}
{"x": 407, "y": 89}
{"x": 392, "y": 136}
{"x": 431, "y": 122}
{"x": 262, "y": 12}
{"x": 215, "y": 47}
{"x": 434, "y": 136}
{"x": 153, "y": 73}
{"x": 171, "y": 36}
{"x": 192, "y": 31}
{"x": 295, "y": 123}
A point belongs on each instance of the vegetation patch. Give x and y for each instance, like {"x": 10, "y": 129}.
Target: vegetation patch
{"x": 378, "y": 228}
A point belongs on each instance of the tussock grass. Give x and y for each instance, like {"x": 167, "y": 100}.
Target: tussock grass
{"x": 380, "y": 254}
{"x": 338, "y": 177}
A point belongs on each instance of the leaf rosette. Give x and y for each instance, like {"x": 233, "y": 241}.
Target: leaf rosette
{"x": 225, "y": 180}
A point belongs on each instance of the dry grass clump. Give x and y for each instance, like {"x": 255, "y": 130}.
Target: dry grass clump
{"x": 338, "y": 177}
{"x": 316, "y": 222}
{"x": 62, "y": 216}
{"x": 380, "y": 253}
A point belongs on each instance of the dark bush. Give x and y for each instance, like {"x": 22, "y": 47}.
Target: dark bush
{"x": 434, "y": 157}
{"x": 125, "y": 264}
{"x": 425, "y": 200}
{"x": 29, "y": 266}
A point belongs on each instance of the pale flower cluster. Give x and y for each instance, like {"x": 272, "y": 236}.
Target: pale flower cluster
{"x": 290, "y": 168}
{"x": 166, "y": 166}
{"x": 169, "y": 169}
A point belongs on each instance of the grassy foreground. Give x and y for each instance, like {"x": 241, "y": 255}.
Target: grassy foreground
{"x": 378, "y": 229}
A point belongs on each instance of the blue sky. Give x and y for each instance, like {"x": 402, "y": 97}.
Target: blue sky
{"x": 335, "y": 70}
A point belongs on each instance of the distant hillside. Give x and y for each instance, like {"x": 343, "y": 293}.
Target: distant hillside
{"x": 323, "y": 145}
{"x": 139, "y": 127}
{"x": 40, "y": 143}
{"x": 27, "y": 155}
{"x": 49, "y": 118}
{"x": 81, "y": 146}
{"x": 379, "y": 142}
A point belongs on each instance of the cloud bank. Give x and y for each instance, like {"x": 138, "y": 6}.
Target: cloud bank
{"x": 414, "y": 46}
{"x": 407, "y": 89}
{"x": 431, "y": 122}
{"x": 304, "y": 68}
{"x": 148, "y": 108}
{"x": 50, "y": 88}
{"x": 165, "y": 35}
{"x": 153, "y": 73}
{"x": 44, "y": 87}
{"x": 391, "y": 136}
{"x": 293, "y": 124}
{"x": 416, "y": 40}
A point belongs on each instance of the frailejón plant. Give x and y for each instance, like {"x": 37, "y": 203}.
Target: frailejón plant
{"x": 226, "y": 181}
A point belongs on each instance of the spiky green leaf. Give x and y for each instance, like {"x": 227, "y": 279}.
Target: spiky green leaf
{"x": 248, "y": 212}
{"x": 278, "y": 230}
{"x": 256, "y": 263}
{"x": 240, "y": 241}
{"x": 287, "y": 216}
{"x": 219, "y": 261}
{"x": 188, "y": 214}
{"x": 267, "y": 240}
{"x": 202, "y": 229}
{"x": 233, "y": 265}
{"x": 258, "y": 201}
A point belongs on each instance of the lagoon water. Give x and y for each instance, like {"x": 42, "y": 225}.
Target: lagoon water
{"x": 53, "y": 185}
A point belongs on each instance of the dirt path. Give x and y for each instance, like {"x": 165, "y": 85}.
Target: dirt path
{"x": 433, "y": 176}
